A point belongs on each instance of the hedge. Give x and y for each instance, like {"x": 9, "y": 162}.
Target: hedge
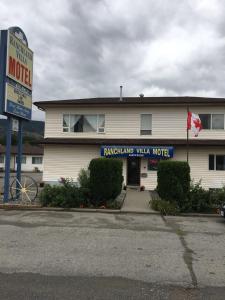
{"x": 174, "y": 182}
{"x": 67, "y": 194}
{"x": 105, "y": 179}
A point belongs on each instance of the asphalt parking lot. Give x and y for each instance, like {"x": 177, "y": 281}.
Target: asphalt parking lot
{"x": 124, "y": 256}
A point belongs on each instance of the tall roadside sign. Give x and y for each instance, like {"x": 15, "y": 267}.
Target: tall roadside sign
{"x": 16, "y": 81}
{"x": 19, "y": 70}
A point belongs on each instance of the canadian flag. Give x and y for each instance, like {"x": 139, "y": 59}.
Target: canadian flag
{"x": 194, "y": 123}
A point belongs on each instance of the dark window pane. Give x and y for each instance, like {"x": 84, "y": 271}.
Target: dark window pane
{"x": 206, "y": 120}
{"x": 146, "y": 132}
{"x": 211, "y": 162}
{"x": 153, "y": 164}
{"x": 78, "y": 127}
{"x": 36, "y": 160}
{"x": 2, "y": 159}
{"x": 220, "y": 162}
{"x": 217, "y": 121}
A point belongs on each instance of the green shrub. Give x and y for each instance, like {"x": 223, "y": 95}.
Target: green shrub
{"x": 84, "y": 178}
{"x": 65, "y": 195}
{"x": 105, "y": 179}
{"x": 84, "y": 184}
{"x": 217, "y": 197}
{"x": 202, "y": 200}
{"x": 174, "y": 182}
{"x": 199, "y": 198}
{"x": 155, "y": 204}
{"x": 165, "y": 207}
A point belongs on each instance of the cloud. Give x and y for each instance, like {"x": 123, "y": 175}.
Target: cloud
{"x": 89, "y": 48}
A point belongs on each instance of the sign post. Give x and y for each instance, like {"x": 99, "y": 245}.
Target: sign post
{"x": 7, "y": 158}
{"x": 16, "y": 76}
{"x": 19, "y": 155}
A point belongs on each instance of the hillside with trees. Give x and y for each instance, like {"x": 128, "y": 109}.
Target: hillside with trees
{"x": 33, "y": 132}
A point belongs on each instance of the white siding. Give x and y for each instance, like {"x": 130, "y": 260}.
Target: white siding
{"x": 27, "y": 167}
{"x": 168, "y": 122}
{"x": 12, "y": 163}
{"x": 124, "y": 122}
{"x": 67, "y": 161}
{"x": 199, "y": 165}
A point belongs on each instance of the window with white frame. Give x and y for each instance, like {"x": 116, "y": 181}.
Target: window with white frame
{"x": 2, "y": 159}
{"x": 217, "y": 162}
{"x": 146, "y": 124}
{"x": 36, "y": 160}
{"x": 212, "y": 121}
{"x": 84, "y": 123}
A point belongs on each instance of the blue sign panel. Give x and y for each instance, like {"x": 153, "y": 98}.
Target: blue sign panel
{"x": 18, "y": 110}
{"x": 16, "y": 69}
{"x": 18, "y": 100}
{"x": 162, "y": 152}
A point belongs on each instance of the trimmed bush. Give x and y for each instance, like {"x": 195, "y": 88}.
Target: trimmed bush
{"x": 105, "y": 179}
{"x": 174, "y": 182}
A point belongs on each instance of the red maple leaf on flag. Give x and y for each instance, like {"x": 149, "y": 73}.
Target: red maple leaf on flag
{"x": 197, "y": 123}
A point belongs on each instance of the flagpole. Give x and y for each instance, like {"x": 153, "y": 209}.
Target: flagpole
{"x": 187, "y": 142}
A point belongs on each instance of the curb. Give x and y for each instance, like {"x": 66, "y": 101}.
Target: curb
{"x": 198, "y": 215}
{"x": 81, "y": 210}
{"x": 133, "y": 212}
{"x": 97, "y": 210}
{"x": 40, "y": 208}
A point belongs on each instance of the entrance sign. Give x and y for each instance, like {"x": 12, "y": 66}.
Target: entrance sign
{"x": 18, "y": 100}
{"x": 19, "y": 72}
{"x": 19, "y": 61}
{"x": 137, "y": 151}
{"x": 16, "y": 91}
{"x": 16, "y": 76}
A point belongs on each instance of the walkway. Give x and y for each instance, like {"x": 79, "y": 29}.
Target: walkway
{"x": 137, "y": 201}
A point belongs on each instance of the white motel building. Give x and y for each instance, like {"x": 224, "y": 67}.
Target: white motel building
{"x": 138, "y": 130}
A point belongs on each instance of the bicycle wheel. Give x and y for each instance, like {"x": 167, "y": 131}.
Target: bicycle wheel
{"x": 25, "y": 190}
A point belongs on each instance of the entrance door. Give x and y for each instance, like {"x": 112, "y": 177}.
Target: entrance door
{"x": 133, "y": 171}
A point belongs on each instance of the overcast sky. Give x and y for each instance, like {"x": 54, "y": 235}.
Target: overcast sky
{"x": 88, "y": 48}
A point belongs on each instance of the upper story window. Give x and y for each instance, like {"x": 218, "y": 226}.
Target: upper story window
{"x": 212, "y": 121}
{"x": 146, "y": 124}
{"x": 83, "y": 123}
{"x": 36, "y": 160}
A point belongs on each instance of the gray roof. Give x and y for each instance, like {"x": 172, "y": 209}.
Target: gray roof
{"x": 134, "y": 101}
